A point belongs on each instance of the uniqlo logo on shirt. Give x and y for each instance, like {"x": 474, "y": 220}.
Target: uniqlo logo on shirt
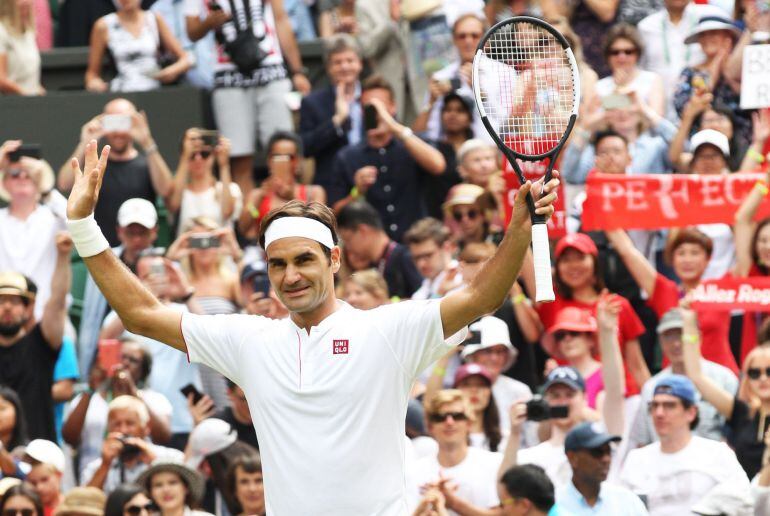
{"x": 341, "y": 347}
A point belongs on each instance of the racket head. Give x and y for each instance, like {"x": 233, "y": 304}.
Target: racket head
{"x": 527, "y": 87}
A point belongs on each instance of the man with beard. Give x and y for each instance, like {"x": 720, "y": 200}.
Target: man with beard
{"x": 132, "y": 174}
{"x": 28, "y": 356}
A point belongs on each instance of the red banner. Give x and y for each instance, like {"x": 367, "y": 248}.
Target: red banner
{"x": 751, "y": 294}
{"x": 534, "y": 170}
{"x": 654, "y": 201}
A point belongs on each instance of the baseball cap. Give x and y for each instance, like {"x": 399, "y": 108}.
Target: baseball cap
{"x": 565, "y": 375}
{"x": 579, "y": 241}
{"x": 731, "y": 497}
{"x": 709, "y": 23}
{"x": 468, "y": 102}
{"x": 710, "y": 137}
{"x": 466, "y": 370}
{"x": 46, "y": 452}
{"x": 137, "y": 211}
{"x": 252, "y": 269}
{"x": 15, "y": 284}
{"x": 210, "y": 436}
{"x": 677, "y": 385}
{"x": 570, "y": 319}
{"x": 671, "y": 320}
{"x": 587, "y": 436}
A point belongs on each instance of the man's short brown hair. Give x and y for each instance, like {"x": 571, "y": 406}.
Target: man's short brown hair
{"x": 427, "y": 229}
{"x": 377, "y": 82}
{"x": 294, "y": 208}
{"x": 340, "y": 43}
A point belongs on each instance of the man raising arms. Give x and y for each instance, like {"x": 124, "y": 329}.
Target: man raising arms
{"x": 327, "y": 387}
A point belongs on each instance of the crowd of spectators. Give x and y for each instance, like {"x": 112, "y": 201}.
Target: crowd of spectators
{"x": 618, "y": 398}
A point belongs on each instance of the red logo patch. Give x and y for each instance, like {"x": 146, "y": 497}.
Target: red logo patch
{"x": 341, "y": 347}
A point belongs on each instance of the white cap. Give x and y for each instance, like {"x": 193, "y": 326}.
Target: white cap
{"x": 710, "y": 137}
{"x": 47, "y": 453}
{"x": 494, "y": 332}
{"x": 209, "y": 437}
{"x": 137, "y": 211}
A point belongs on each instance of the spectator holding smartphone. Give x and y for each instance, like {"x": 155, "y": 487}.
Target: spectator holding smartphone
{"x": 197, "y": 192}
{"x": 134, "y": 38}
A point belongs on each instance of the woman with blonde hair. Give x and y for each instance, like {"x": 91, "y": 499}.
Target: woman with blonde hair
{"x": 19, "y": 56}
{"x": 366, "y": 290}
{"x": 748, "y": 413}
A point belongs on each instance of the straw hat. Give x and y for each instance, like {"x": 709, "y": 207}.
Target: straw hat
{"x": 40, "y": 170}
{"x": 82, "y": 501}
{"x": 192, "y": 479}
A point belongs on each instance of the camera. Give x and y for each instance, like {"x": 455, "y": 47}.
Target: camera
{"x": 129, "y": 451}
{"x": 203, "y": 241}
{"x": 539, "y": 410}
{"x": 28, "y": 150}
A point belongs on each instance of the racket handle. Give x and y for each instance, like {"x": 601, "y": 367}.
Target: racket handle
{"x": 542, "y": 257}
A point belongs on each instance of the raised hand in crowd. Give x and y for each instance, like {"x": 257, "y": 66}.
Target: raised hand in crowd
{"x": 699, "y": 101}
{"x": 6, "y": 148}
{"x": 611, "y": 404}
{"x": 204, "y": 408}
{"x": 123, "y": 383}
{"x": 755, "y": 158}
{"x": 431, "y": 504}
{"x": 364, "y": 178}
{"x": 140, "y": 130}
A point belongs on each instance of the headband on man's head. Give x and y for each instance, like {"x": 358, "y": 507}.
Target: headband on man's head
{"x": 286, "y": 227}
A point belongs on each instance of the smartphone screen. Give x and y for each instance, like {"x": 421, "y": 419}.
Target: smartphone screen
{"x": 116, "y": 123}
{"x": 370, "y": 117}
{"x": 108, "y": 355}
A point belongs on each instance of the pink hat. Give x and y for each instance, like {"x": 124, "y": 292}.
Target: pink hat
{"x": 579, "y": 241}
{"x": 570, "y": 319}
{"x": 466, "y": 370}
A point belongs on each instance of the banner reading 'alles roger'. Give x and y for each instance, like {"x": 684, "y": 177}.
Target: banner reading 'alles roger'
{"x": 654, "y": 201}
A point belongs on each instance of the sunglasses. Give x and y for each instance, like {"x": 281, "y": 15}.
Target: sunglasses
{"x": 460, "y": 215}
{"x": 135, "y": 510}
{"x": 441, "y": 417}
{"x": 23, "y": 512}
{"x": 624, "y": 51}
{"x": 754, "y": 372}
{"x": 17, "y": 172}
{"x": 202, "y": 153}
{"x": 563, "y": 334}
{"x": 598, "y": 453}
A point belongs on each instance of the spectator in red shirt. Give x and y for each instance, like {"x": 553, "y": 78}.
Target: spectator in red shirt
{"x": 688, "y": 253}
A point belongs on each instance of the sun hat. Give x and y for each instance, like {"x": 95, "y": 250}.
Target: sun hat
{"x": 570, "y": 318}
{"x": 192, "y": 479}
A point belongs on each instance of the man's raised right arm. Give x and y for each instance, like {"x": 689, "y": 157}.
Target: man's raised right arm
{"x": 139, "y": 310}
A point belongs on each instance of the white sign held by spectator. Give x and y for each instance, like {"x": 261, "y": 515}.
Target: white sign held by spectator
{"x": 755, "y": 77}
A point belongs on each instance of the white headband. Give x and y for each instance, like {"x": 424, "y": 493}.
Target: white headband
{"x": 286, "y": 227}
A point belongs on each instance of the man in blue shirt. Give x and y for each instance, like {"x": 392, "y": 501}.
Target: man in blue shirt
{"x": 589, "y": 453}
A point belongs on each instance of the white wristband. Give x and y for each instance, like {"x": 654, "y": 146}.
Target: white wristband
{"x": 87, "y": 237}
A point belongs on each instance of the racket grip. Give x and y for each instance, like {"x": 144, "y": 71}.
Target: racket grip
{"x": 542, "y": 257}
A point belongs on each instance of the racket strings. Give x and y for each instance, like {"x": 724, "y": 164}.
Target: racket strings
{"x": 527, "y": 87}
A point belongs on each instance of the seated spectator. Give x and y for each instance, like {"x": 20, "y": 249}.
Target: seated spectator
{"x": 478, "y": 163}
{"x": 85, "y": 422}
{"x": 301, "y": 20}
{"x": 133, "y": 37}
{"x": 469, "y": 212}
{"x": 623, "y": 48}
{"x": 588, "y": 77}
{"x": 499, "y": 10}
{"x": 21, "y": 499}
{"x": 495, "y": 352}
{"x": 284, "y": 158}
{"x": 688, "y": 253}
{"x": 525, "y": 491}
{"x": 431, "y": 250}
{"x": 676, "y": 472}
{"x": 19, "y": 55}
{"x": 710, "y": 421}
{"x": 250, "y": 105}
{"x": 386, "y": 167}
{"x": 475, "y": 382}
{"x": 366, "y": 244}
{"x": 24, "y": 184}
{"x": 589, "y": 452}
{"x": 29, "y": 352}
{"x": 137, "y": 229}
{"x": 472, "y": 471}
{"x": 174, "y": 488}
{"x": 336, "y": 17}
{"x": 647, "y": 135}
{"x": 126, "y": 453}
{"x": 366, "y": 290}
{"x": 77, "y": 17}
{"x": 245, "y": 484}
{"x": 202, "y": 52}
{"x": 579, "y": 284}
{"x": 47, "y": 464}
{"x": 716, "y": 36}
{"x": 128, "y": 499}
{"x": 331, "y": 117}
{"x": 197, "y": 192}
{"x": 13, "y": 432}
{"x": 132, "y": 174}
{"x": 83, "y": 501}
{"x": 745, "y": 411}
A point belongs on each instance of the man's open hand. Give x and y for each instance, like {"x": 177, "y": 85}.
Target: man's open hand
{"x": 88, "y": 182}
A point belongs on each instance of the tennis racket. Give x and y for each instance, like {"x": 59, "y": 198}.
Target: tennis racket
{"x": 527, "y": 89}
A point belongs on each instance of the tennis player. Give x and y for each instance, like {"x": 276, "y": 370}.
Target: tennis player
{"x": 328, "y": 386}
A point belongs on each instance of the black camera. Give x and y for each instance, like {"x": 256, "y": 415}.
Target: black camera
{"x": 129, "y": 451}
{"x": 539, "y": 410}
{"x": 203, "y": 241}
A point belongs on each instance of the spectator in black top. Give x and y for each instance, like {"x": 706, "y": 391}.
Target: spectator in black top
{"x": 28, "y": 356}
{"x": 525, "y": 491}
{"x": 366, "y": 245}
{"x": 132, "y": 174}
{"x": 239, "y": 415}
{"x": 331, "y": 117}
{"x": 387, "y": 166}
{"x": 77, "y": 17}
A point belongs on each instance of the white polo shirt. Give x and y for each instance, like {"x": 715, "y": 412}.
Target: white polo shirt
{"x": 328, "y": 407}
